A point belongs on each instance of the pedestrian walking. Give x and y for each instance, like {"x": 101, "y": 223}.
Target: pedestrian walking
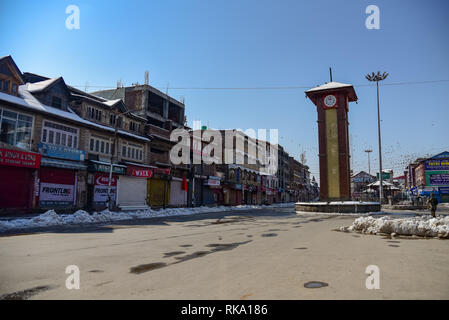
{"x": 432, "y": 202}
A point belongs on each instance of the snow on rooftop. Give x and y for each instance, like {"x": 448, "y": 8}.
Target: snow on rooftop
{"x": 110, "y": 103}
{"x": 41, "y": 85}
{"x": 330, "y": 85}
{"x": 26, "y": 99}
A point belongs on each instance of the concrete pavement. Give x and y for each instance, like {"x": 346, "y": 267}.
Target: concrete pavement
{"x": 254, "y": 254}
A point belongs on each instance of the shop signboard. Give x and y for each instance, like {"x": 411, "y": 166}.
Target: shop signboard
{"x": 17, "y": 158}
{"x": 437, "y": 178}
{"x": 52, "y": 194}
{"x": 238, "y": 187}
{"x": 212, "y": 182}
{"x": 101, "y": 188}
{"x": 61, "y": 152}
{"x": 106, "y": 168}
{"x": 437, "y": 164}
{"x": 444, "y": 190}
{"x": 385, "y": 176}
{"x": 140, "y": 172}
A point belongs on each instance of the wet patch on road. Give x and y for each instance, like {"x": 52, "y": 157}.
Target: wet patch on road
{"x": 393, "y": 245}
{"x": 185, "y": 245}
{"x": 249, "y": 235}
{"x": 215, "y": 248}
{"x": 393, "y": 241}
{"x": 356, "y": 236}
{"x": 103, "y": 283}
{"x": 269, "y": 235}
{"x": 173, "y": 253}
{"x": 302, "y": 248}
{"x": 96, "y": 271}
{"x": 25, "y": 294}
{"x": 315, "y": 284}
{"x": 147, "y": 267}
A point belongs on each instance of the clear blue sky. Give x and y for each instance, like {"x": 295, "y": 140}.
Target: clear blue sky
{"x": 244, "y": 43}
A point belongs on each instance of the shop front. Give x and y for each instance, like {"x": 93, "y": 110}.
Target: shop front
{"x": 158, "y": 187}
{"x": 178, "y": 192}
{"x": 61, "y": 170}
{"x": 213, "y": 193}
{"x": 19, "y": 180}
{"x": 98, "y": 183}
{"x": 132, "y": 187}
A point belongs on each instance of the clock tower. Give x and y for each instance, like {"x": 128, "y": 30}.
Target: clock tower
{"x": 332, "y": 103}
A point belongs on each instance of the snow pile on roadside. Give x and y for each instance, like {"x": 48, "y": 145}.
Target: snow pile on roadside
{"x": 423, "y": 226}
{"x": 51, "y": 218}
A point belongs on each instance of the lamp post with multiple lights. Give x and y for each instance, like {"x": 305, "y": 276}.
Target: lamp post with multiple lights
{"x": 376, "y": 78}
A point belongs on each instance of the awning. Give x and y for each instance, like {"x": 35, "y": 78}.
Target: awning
{"x": 65, "y": 164}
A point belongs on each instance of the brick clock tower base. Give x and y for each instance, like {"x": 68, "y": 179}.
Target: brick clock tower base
{"x": 332, "y": 104}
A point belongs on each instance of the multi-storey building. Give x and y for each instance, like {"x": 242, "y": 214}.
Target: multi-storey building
{"x": 162, "y": 114}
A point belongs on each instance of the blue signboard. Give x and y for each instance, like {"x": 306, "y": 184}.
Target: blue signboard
{"x": 444, "y": 190}
{"x": 61, "y": 152}
{"x": 437, "y": 164}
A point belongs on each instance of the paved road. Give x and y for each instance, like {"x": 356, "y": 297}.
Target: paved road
{"x": 254, "y": 254}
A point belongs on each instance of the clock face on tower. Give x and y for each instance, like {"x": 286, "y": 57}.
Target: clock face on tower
{"x": 330, "y": 101}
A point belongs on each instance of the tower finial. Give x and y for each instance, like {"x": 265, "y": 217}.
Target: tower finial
{"x": 330, "y": 73}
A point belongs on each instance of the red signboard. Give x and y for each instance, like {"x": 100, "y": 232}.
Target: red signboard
{"x": 17, "y": 158}
{"x": 142, "y": 173}
{"x": 103, "y": 180}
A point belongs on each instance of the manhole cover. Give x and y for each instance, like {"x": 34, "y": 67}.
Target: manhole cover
{"x": 315, "y": 284}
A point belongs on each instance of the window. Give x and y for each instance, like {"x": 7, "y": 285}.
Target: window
{"x": 56, "y": 102}
{"x": 59, "y": 134}
{"x": 112, "y": 119}
{"x": 133, "y": 126}
{"x": 133, "y": 152}
{"x": 15, "y": 129}
{"x": 100, "y": 145}
{"x": 14, "y": 88}
{"x": 93, "y": 113}
{"x": 5, "y": 86}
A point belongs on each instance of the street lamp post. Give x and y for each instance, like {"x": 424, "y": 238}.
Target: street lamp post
{"x": 368, "y": 151}
{"x": 376, "y": 78}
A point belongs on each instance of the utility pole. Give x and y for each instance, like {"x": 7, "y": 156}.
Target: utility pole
{"x": 113, "y": 153}
{"x": 369, "y": 166}
{"x": 376, "y": 78}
